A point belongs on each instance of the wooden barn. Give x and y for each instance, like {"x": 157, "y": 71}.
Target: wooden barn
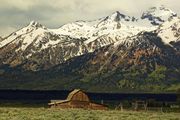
{"x": 76, "y": 99}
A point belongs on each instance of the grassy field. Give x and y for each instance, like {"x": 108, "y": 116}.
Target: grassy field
{"x": 9, "y": 113}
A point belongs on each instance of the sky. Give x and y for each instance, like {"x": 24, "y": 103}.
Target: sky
{"x": 15, "y": 14}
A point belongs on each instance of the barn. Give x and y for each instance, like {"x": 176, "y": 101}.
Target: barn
{"x": 76, "y": 99}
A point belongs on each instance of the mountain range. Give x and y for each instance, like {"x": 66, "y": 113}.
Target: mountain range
{"x": 116, "y": 53}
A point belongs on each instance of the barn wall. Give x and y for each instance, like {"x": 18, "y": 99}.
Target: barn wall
{"x": 79, "y": 104}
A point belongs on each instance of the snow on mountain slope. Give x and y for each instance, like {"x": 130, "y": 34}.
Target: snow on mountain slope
{"x": 115, "y": 25}
{"x": 25, "y": 35}
{"x": 158, "y": 15}
{"x": 170, "y": 30}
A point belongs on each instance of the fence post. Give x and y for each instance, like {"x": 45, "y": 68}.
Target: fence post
{"x": 121, "y": 107}
{"x": 102, "y": 102}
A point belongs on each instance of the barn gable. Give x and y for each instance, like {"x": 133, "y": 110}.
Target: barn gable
{"x": 77, "y": 95}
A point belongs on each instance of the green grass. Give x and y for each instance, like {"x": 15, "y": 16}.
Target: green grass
{"x": 9, "y": 113}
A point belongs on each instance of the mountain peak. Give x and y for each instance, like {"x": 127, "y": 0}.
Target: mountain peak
{"x": 158, "y": 15}
{"x": 36, "y": 24}
{"x": 116, "y": 16}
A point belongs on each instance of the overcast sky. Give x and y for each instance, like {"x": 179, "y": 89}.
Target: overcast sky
{"x": 15, "y": 14}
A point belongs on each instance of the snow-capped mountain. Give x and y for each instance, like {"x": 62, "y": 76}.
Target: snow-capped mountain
{"x": 41, "y": 48}
{"x": 117, "y": 52}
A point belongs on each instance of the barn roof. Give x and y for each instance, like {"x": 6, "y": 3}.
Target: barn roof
{"x": 58, "y": 102}
{"x": 71, "y": 94}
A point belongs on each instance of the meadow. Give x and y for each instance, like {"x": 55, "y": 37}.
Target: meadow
{"x": 26, "y": 113}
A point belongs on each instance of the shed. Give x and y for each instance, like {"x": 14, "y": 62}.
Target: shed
{"x": 76, "y": 99}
